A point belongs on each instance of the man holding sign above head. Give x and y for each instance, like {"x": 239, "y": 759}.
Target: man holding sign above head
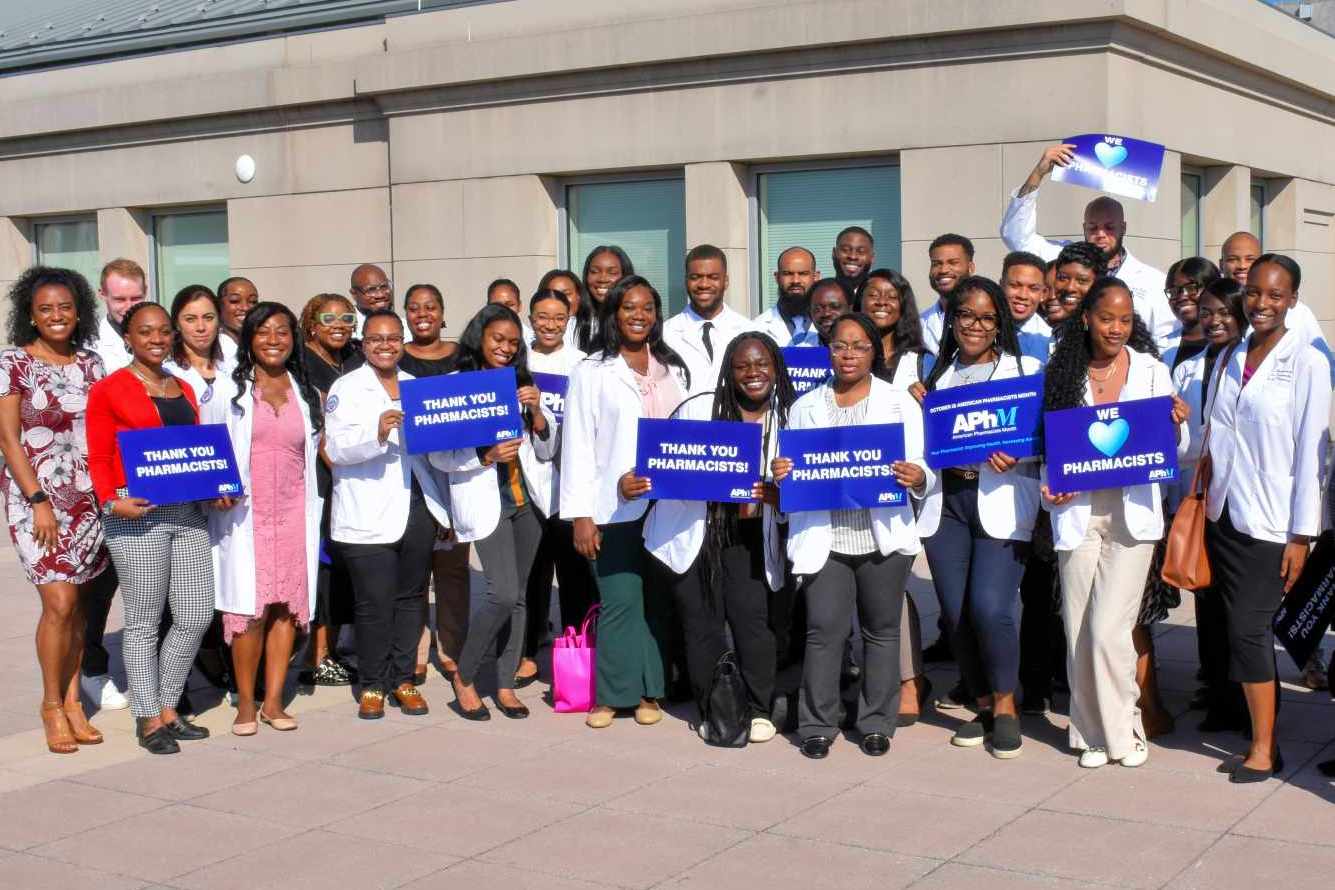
{"x": 1104, "y": 225}
{"x": 856, "y": 556}
{"x": 1105, "y": 537}
{"x": 787, "y": 320}
{"x": 702, "y": 331}
{"x": 384, "y": 503}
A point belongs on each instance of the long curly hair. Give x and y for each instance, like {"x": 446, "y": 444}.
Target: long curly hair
{"x": 1007, "y": 341}
{"x": 244, "y": 372}
{"x": 22, "y": 331}
{"x": 1067, "y": 372}
{"x": 609, "y": 334}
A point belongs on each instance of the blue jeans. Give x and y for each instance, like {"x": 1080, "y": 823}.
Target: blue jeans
{"x": 977, "y": 579}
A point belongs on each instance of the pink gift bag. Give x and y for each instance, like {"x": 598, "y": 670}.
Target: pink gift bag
{"x": 573, "y": 678}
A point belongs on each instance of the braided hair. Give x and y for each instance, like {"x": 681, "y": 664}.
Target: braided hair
{"x": 1067, "y": 371}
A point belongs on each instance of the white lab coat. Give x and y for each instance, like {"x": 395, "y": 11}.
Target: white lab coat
{"x": 191, "y": 375}
{"x": 1268, "y": 441}
{"x": 372, "y": 485}
{"x": 603, "y": 410}
{"x": 232, "y": 531}
{"x": 933, "y": 326}
{"x": 906, "y": 374}
{"x": 544, "y": 477}
{"x": 894, "y": 528}
{"x": 1142, "y": 505}
{"x": 111, "y": 347}
{"x": 772, "y": 322}
{"x": 1019, "y": 229}
{"x": 684, "y": 333}
{"x": 1189, "y": 381}
{"x": 675, "y": 530}
{"x": 1008, "y": 503}
{"x": 1303, "y": 320}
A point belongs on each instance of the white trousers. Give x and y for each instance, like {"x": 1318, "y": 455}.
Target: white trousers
{"x": 1103, "y": 582}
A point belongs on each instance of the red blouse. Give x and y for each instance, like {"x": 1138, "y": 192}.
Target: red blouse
{"x": 119, "y": 402}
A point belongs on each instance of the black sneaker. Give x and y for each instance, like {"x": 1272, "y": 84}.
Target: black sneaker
{"x": 1006, "y": 738}
{"x": 973, "y": 733}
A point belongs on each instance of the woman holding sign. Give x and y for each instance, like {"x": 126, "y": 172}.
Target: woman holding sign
{"x": 161, "y": 551}
{"x": 1268, "y": 428}
{"x": 978, "y": 520}
{"x": 492, "y": 506}
{"x": 1105, "y": 538}
{"x": 44, "y": 382}
{"x": 267, "y": 544}
{"x": 855, "y": 558}
{"x": 384, "y": 503}
{"x": 634, "y": 374}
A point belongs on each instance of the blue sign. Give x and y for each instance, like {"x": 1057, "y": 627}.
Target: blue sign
{"x": 808, "y": 366}
{"x": 1118, "y": 165}
{"x": 699, "y": 460}
{"x": 553, "y": 389}
{"x": 464, "y": 410}
{"x": 1111, "y": 446}
{"x": 176, "y": 464}
{"x": 966, "y": 424}
{"x": 842, "y": 467}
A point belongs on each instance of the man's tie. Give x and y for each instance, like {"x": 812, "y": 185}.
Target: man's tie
{"x": 709, "y": 347}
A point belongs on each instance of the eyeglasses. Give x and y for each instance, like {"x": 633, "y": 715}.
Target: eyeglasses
{"x": 966, "y": 319}
{"x": 551, "y": 319}
{"x": 838, "y": 347}
{"x": 373, "y": 288}
{"x": 1182, "y": 290}
{"x": 329, "y": 318}
{"x": 387, "y": 339}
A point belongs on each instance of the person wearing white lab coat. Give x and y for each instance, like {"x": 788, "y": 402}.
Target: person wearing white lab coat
{"x": 384, "y": 500}
{"x": 1104, "y": 225}
{"x": 492, "y": 508}
{"x": 1268, "y": 440}
{"x": 855, "y": 558}
{"x": 724, "y": 561}
{"x": 197, "y": 355}
{"x": 977, "y": 523}
{"x": 266, "y": 546}
{"x": 1105, "y": 539}
{"x": 701, "y": 332}
{"x": 634, "y": 374}
{"x": 551, "y": 352}
{"x": 787, "y": 320}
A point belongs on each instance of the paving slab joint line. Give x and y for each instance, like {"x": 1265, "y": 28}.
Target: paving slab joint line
{"x": 241, "y": 855}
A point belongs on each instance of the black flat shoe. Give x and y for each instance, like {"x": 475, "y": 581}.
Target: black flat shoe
{"x": 186, "y": 732}
{"x": 816, "y": 747}
{"x": 1245, "y": 775}
{"x": 159, "y": 741}
{"x": 478, "y": 714}
{"x": 874, "y": 744}
{"x": 518, "y": 713}
{"x": 521, "y": 682}
{"x": 1230, "y": 763}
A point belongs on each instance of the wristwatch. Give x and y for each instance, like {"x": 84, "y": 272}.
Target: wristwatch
{"x": 37, "y": 497}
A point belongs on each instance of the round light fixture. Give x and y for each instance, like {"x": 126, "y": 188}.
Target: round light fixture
{"x": 245, "y": 168}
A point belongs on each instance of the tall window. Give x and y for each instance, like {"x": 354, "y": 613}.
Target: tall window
{"x": 1191, "y": 212}
{"x": 808, "y": 208}
{"x": 1257, "y": 220}
{"x": 189, "y": 248}
{"x": 646, "y": 218}
{"x": 69, "y": 244}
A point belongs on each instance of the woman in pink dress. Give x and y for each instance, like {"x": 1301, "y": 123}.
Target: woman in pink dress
{"x": 266, "y": 546}
{"x": 48, "y": 496}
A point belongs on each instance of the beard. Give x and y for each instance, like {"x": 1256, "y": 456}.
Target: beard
{"x": 1113, "y": 252}
{"x": 793, "y": 304}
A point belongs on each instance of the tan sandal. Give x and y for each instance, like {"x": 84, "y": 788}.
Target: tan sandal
{"x": 59, "y": 737}
{"x": 84, "y": 732}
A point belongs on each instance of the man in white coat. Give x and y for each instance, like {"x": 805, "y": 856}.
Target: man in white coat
{"x": 701, "y": 332}
{"x": 122, "y": 285}
{"x": 1104, "y": 226}
{"x": 788, "y": 320}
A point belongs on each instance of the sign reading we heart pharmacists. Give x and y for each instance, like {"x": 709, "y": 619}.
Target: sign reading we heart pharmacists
{"x": 1111, "y": 446}
{"x": 1118, "y": 165}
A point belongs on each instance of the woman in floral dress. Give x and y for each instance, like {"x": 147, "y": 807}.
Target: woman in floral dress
{"x": 48, "y": 495}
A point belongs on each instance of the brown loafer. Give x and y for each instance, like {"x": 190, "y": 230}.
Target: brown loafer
{"x": 410, "y": 700}
{"x": 371, "y": 705}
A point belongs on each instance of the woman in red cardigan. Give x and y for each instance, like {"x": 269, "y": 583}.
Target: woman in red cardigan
{"x": 161, "y": 552}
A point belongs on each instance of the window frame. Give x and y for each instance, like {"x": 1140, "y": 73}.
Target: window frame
{"x": 184, "y": 210}
{"x": 753, "y": 207}
{"x": 36, "y": 222}
{"x": 1252, "y": 188}
{"x": 1199, "y": 173}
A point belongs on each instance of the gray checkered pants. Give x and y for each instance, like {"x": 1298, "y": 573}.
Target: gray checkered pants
{"x": 160, "y": 559}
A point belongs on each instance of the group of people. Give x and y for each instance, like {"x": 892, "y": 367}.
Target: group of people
{"x": 340, "y": 525}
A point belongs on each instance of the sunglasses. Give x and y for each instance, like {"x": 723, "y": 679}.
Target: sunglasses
{"x": 328, "y": 318}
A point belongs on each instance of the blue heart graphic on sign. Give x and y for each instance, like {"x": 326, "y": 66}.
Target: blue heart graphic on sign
{"x": 1109, "y": 437}
{"x": 1110, "y": 155}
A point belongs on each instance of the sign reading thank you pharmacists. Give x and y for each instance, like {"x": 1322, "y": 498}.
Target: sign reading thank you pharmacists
{"x": 699, "y": 460}
{"x": 175, "y": 464}
{"x": 553, "y": 388}
{"x": 1111, "y": 446}
{"x": 1118, "y": 165}
{"x": 460, "y": 410}
{"x": 842, "y": 467}
{"x": 966, "y": 424}
{"x": 808, "y": 366}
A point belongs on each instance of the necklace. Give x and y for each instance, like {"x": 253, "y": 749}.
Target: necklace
{"x": 160, "y": 384}
{"x": 1100, "y": 383}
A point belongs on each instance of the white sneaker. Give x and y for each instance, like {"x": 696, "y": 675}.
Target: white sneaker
{"x": 1093, "y": 758}
{"x": 102, "y": 691}
{"x": 762, "y": 730}
{"x": 1139, "y": 754}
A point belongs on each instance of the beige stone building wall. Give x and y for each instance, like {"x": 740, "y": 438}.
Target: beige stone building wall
{"x": 439, "y": 144}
